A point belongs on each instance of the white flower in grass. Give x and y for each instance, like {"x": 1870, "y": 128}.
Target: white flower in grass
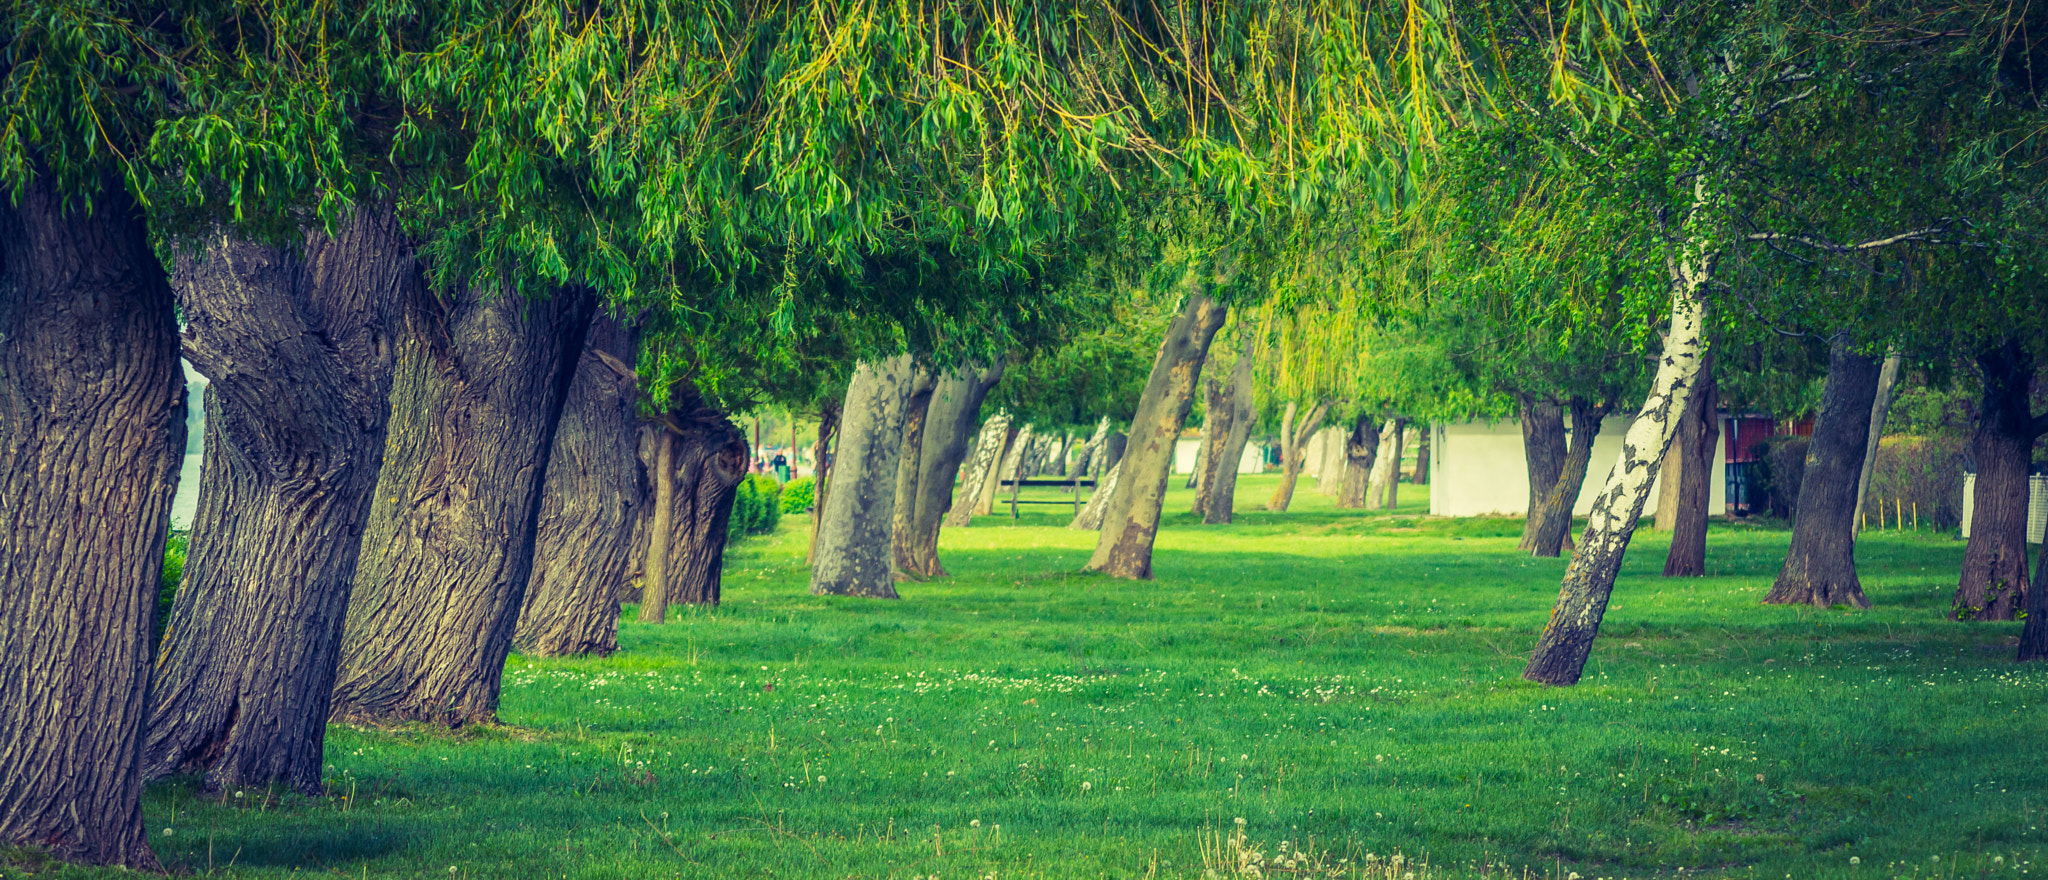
{"x": 1087, "y": 785}
{"x": 1855, "y": 860}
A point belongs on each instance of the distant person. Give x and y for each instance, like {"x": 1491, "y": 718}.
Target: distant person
{"x": 781, "y": 464}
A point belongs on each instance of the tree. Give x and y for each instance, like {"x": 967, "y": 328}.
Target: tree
{"x": 1294, "y": 436}
{"x": 1693, "y": 450}
{"x": 1228, "y": 416}
{"x": 854, "y": 547}
{"x": 1820, "y": 567}
{"x": 949, "y": 424}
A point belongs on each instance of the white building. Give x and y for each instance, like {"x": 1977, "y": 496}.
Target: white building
{"x": 1479, "y": 468}
{"x": 1252, "y": 462}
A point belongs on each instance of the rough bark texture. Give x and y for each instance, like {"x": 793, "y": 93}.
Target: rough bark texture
{"x": 1385, "y": 490}
{"x": 1218, "y": 411}
{"x": 1330, "y": 476}
{"x": 1124, "y": 548}
{"x": 988, "y": 451}
{"x": 1422, "y": 457}
{"x": 298, "y": 349}
{"x": 709, "y": 459}
{"x": 1820, "y": 566}
{"x": 1880, "y": 409}
{"x": 821, "y": 471}
{"x": 1090, "y": 461}
{"x": 1360, "y": 449}
{"x": 1217, "y": 500}
{"x": 1553, "y": 518}
{"x": 949, "y": 423}
{"x": 1005, "y": 463}
{"x": 909, "y": 462}
{"x": 92, "y": 420}
{"x": 1994, "y": 577}
{"x": 1697, "y": 437}
{"x": 592, "y": 500}
{"x": 1543, "y": 447}
{"x": 661, "y": 528}
{"x": 1567, "y": 640}
{"x": 853, "y": 557}
{"x": 1090, "y": 517}
{"x": 1293, "y": 453}
{"x": 449, "y": 546}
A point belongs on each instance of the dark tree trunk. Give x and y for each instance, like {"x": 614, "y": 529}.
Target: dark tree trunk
{"x": 1218, "y": 410}
{"x": 949, "y": 424}
{"x": 1697, "y": 437}
{"x": 448, "y": 550}
{"x": 1543, "y": 447}
{"x": 909, "y": 462}
{"x": 710, "y": 458}
{"x": 821, "y": 471}
{"x": 1360, "y": 449}
{"x": 2034, "y": 635}
{"x": 1422, "y": 458}
{"x": 1820, "y": 566}
{"x": 661, "y": 529}
{"x": 1131, "y": 522}
{"x": 1222, "y": 486}
{"x": 988, "y": 457}
{"x": 591, "y": 503}
{"x": 1554, "y": 517}
{"x": 1293, "y": 454}
{"x": 92, "y": 430}
{"x": 854, "y": 546}
{"x": 298, "y": 349}
{"x": 1994, "y": 578}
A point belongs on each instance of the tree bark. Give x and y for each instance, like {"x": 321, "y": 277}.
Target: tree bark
{"x": 448, "y": 549}
{"x": 1221, "y": 487}
{"x": 661, "y": 529}
{"x": 909, "y": 463}
{"x": 1090, "y": 461}
{"x": 1994, "y": 577}
{"x": 1820, "y": 566}
{"x": 1553, "y": 518}
{"x": 2034, "y": 635}
{"x": 1543, "y": 447}
{"x": 949, "y": 423}
{"x": 821, "y": 472}
{"x": 1293, "y": 449}
{"x": 1422, "y": 458}
{"x": 988, "y": 451}
{"x": 854, "y": 546}
{"x": 1219, "y": 410}
{"x": 1385, "y": 490}
{"x": 1005, "y": 463}
{"x": 298, "y": 351}
{"x": 1129, "y": 526}
{"x": 1090, "y": 517}
{"x": 710, "y": 458}
{"x": 1880, "y": 410}
{"x": 1567, "y": 640}
{"x": 1697, "y": 437}
{"x": 92, "y": 430}
{"x": 1330, "y": 476}
{"x": 1202, "y": 457}
{"x": 1360, "y": 450}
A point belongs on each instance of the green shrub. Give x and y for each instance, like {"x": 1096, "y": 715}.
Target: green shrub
{"x": 1781, "y": 464}
{"x": 799, "y": 494}
{"x": 756, "y": 507}
{"x": 167, "y": 583}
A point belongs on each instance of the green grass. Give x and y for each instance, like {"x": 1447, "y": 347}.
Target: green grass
{"x": 1336, "y": 678}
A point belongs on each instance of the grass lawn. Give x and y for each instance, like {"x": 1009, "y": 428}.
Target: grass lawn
{"x": 1338, "y": 682}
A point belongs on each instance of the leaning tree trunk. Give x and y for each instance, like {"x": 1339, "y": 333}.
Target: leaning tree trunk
{"x": 988, "y": 454}
{"x": 1994, "y": 577}
{"x": 821, "y": 472}
{"x": 591, "y": 503}
{"x": 1129, "y": 526}
{"x": 1820, "y": 566}
{"x": 949, "y": 422}
{"x": 1222, "y": 485}
{"x": 1090, "y": 461}
{"x": 1422, "y": 457}
{"x": 1385, "y": 491}
{"x": 1554, "y": 517}
{"x": 909, "y": 461}
{"x": 1560, "y": 654}
{"x": 854, "y": 546}
{"x": 1202, "y": 457}
{"x": 709, "y": 457}
{"x": 1218, "y": 410}
{"x": 1293, "y": 453}
{"x": 1697, "y": 436}
{"x": 1090, "y": 517}
{"x": 1543, "y": 448}
{"x": 297, "y": 348}
{"x": 1880, "y": 409}
{"x": 449, "y": 546}
{"x": 1360, "y": 450}
{"x": 92, "y": 429}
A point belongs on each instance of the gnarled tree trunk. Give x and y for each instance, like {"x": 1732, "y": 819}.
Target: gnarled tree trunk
{"x": 298, "y": 348}
{"x": 854, "y": 546}
{"x": 1694, "y": 444}
{"x": 92, "y": 428}
{"x": 592, "y": 500}
{"x": 1221, "y": 485}
{"x": 1360, "y": 450}
{"x": 949, "y": 422}
{"x": 988, "y": 454}
{"x": 1124, "y": 548}
{"x": 1293, "y": 448}
{"x": 1543, "y": 448}
{"x": 708, "y": 459}
{"x": 1553, "y": 518}
{"x": 909, "y": 461}
{"x": 1820, "y": 566}
{"x": 1994, "y": 578}
{"x": 449, "y": 547}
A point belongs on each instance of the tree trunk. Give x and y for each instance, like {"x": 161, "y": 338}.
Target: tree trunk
{"x": 1090, "y": 517}
{"x": 1386, "y": 475}
{"x": 92, "y": 430}
{"x": 1543, "y": 447}
{"x": 1553, "y": 518}
{"x": 1820, "y": 566}
{"x": 1422, "y": 458}
{"x": 1330, "y": 476}
{"x": 1090, "y": 462}
{"x": 854, "y": 546}
{"x": 1218, "y": 411}
{"x": 592, "y": 500}
{"x": 1994, "y": 577}
{"x": 1005, "y": 453}
{"x": 448, "y": 549}
{"x": 1124, "y": 548}
{"x": 1560, "y": 654}
{"x": 821, "y": 472}
{"x": 988, "y": 451}
{"x": 1360, "y": 450}
{"x": 710, "y": 459}
{"x": 1202, "y": 457}
{"x": 2034, "y": 635}
{"x": 1880, "y": 409}
{"x": 1697, "y": 437}
{"x": 1222, "y": 488}
{"x": 298, "y": 351}
{"x": 1293, "y": 449}
{"x": 948, "y": 424}
{"x": 661, "y": 529}
{"x": 909, "y": 462}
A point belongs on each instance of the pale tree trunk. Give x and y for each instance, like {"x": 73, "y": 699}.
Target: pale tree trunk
{"x": 1994, "y": 578}
{"x": 1330, "y": 478}
{"x": 821, "y": 472}
{"x": 948, "y": 424}
{"x": 1360, "y": 450}
{"x": 1880, "y": 409}
{"x": 661, "y": 528}
{"x": 1553, "y": 518}
{"x": 909, "y": 462}
{"x": 298, "y": 350}
{"x": 1543, "y": 448}
{"x": 448, "y": 548}
{"x": 1820, "y": 566}
{"x": 92, "y": 429}
{"x": 853, "y": 557}
{"x": 1005, "y": 451}
{"x": 1386, "y": 466}
{"x": 1561, "y": 652}
{"x": 1671, "y": 475}
{"x": 1221, "y": 488}
{"x": 1293, "y": 448}
{"x": 1090, "y": 462}
{"x": 1090, "y": 517}
{"x": 1202, "y": 456}
{"x": 1697, "y": 437}
{"x": 988, "y": 451}
{"x": 710, "y": 458}
{"x": 1129, "y": 526}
